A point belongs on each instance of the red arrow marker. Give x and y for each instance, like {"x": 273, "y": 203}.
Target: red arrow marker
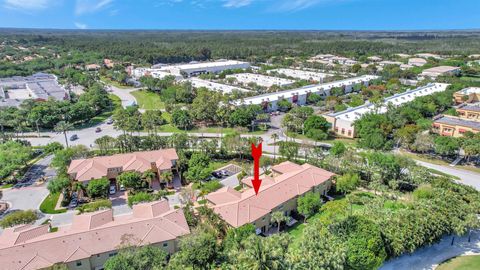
{"x": 256, "y": 154}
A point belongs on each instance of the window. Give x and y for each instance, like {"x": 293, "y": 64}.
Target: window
{"x": 112, "y": 254}
{"x": 165, "y": 244}
{"x": 79, "y": 263}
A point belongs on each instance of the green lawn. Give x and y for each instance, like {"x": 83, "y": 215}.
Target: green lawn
{"x": 461, "y": 263}
{"x": 6, "y": 186}
{"x": 148, "y": 100}
{"x": 429, "y": 159}
{"x": 114, "y": 83}
{"x": 48, "y": 205}
{"x": 470, "y": 78}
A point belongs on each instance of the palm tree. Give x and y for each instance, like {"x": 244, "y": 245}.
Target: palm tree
{"x": 63, "y": 127}
{"x": 167, "y": 176}
{"x": 278, "y": 217}
{"x": 275, "y": 138}
{"x": 149, "y": 175}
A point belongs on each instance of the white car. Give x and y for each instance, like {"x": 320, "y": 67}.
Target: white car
{"x": 113, "y": 190}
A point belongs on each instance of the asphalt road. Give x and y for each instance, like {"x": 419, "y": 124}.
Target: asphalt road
{"x": 467, "y": 177}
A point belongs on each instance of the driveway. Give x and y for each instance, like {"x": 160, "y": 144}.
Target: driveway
{"x": 467, "y": 177}
{"x": 430, "y": 257}
{"x": 124, "y": 94}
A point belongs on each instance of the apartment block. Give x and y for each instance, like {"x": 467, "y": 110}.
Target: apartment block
{"x": 468, "y": 95}
{"x": 468, "y": 120}
{"x": 92, "y": 238}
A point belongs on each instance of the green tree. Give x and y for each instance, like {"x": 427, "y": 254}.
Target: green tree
{"x": 278, "y": 217}
{"x": 347, "y": 182}
{"x": 284, "y": 105}
{"x": 144, "y": 258}
{"x": 446, "y": 145}
{"x": 63, "y": 127}
{"x": 308, "y": 204}
{"x": 98, "y": 188}
{"x": 338, "y": 148}
{"x": 182, "y": 119}
{"x": 131, "y": 180}
{"x": 58, "y": 184}
{"x": 197, "y": 250}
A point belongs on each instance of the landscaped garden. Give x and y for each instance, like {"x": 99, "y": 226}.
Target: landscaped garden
{"x": 461, "y": 263}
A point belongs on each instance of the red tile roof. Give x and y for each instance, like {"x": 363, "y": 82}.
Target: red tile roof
{"x": 97, "y": 167}
{"x": 247, "y": 208}
{"x": 92, "y": 233}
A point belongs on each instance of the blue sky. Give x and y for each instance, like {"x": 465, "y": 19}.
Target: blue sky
{"x": 242, "y": 14}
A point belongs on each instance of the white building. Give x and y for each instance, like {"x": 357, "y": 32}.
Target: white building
{"x": 342, "y": 122}
{"x": 441, "y": 70}
{"x": 224, "y": 88}
{"x": 299, "y": 96}
{"x": 418, "y": 62}
{"x": 261, "y": 80}
{"x": 189, "y": 70}
{"x": 301, "y": 74}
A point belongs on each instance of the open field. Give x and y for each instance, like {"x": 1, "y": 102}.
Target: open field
{"x": 148, "y": 100}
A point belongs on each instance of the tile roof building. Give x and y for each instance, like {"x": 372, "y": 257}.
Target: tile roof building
{"x": 92, "y": 238}
{"x": 84, "y": 170}
{"x": 39, "y": 87}
{"x": 278, "y": 192}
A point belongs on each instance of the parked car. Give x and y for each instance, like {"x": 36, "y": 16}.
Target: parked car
{"x": 98, "y": 129}
{"x": 73, "y": 203}
{"x": 109, "y": 121}
{"x": 74, "y": 137}
{"x": 113, "y": 190}
{"x": 122, "y": 188}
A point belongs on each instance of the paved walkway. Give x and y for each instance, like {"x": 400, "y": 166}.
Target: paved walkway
{"x": 429, "y": 257}
{"x": 467, "y": 177}
{"x": 124, "y": 94}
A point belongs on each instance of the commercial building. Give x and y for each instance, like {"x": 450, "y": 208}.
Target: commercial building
{"x": 92, "y": 238}
{"x": 468, "y": 120}
{"x": 158, "y": 161}
{"x": 278, "y": 192}
{"x": 299, "y": 95}
{"x": 428, "y": 55}
{"x": 191, "y": 69}
{"x": 342, "y": 122}
{"x": 157, "y": 73}
{"x": 224, "y": 88}
{"x": 469, "y": 95}
{"x": 261, "y": 80}
{"x": 301, "y": 74}
{"x": 441, "y": 70}
{"x": 329, "y": 59}
{"x": 418, "y": 62}
{"x": 39, "y": 87}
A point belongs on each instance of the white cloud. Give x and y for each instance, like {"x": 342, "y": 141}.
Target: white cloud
{"x": 236, "y": 3}
{"x": 80, "y": 25}
{"x": 28, "y": 4}
{"x": 91, "y": 6}
{"x": 296, "y": 5}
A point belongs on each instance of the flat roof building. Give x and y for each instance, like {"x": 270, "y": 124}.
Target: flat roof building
{"x": 342, "y": 122}
{"x": 194, "y": 69}
{"x": 440, "y": 70}
{"x": 301, "y": 74}
{"x": 39, "y": 87}
{"x": 278, "y": 192}
{"x": 468, "y": 120}
{"x": 261, "y": 80}
{"x": 299, "y": 95}
{"x": 418, "y": 62}
{"x": 92, "y": 238}
{"x": 224, "y": 88}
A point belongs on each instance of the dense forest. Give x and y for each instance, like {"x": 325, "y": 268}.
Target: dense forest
{"x": 151, "y": 47}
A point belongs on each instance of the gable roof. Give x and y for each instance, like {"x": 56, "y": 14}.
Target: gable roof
{"x": 250, "y": 207}
{"x": 77, "y": 242}
{"x": 97, "y": 167}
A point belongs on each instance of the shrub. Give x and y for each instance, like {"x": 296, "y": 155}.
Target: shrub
{"x": 423, "y": 192}
{"x": 94, "y": 206}
{"x": 17, "y": 218}
{"x": 98, "y": 188}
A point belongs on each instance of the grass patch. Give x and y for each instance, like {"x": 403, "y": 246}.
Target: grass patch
{"x": 437, "y": 172}
{"x": 238, "y": 188}
{"x": 148, "y": 100}
{"x": 461, "y": 263}
{"x": 48, "y": 205}
{"x": 201, "y": 202}
{"x": 114, "y": 83}
{"x": 6, "y": 186}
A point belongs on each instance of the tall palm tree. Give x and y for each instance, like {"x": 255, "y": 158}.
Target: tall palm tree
{"x": 275, "y": 138}
{"x": 167, "y": 176}
{"x": 63, "y": 127}
{"x": 278, "y": 217}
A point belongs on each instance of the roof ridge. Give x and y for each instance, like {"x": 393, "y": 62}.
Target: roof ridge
{"x": 75, "y": 251}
